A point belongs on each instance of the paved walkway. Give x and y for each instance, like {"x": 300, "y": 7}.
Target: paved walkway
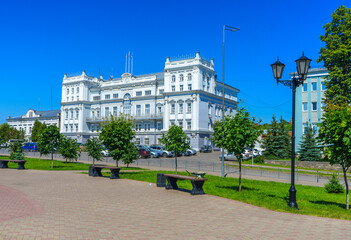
{"x": 68, "y": 205}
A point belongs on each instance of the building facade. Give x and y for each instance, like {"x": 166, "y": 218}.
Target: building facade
{"x": 26, "y": 122}
{"x": 309, "y": 102}
{"x": 186, "y": 93}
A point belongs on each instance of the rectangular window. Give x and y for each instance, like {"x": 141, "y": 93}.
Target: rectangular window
{"x": 188, "y": 125}
{"x": 66, "y": 115}
{"x": 107, "y": 96}
{"x": 96, "y": 98}
{"x": 148, "y": 93}
{"x": 71, "y": 125}
{"x": 314, "y": 106}
{"x": 147, "y": 126}
{"x": 314, "y": 86}
{"x": 77, "y": 97}
{"x": 72, "y": 114}
{"x": 137, "y": 141}
{"x": 172, "y": 108}
{"x": 173, "y": 88}
{"x": 305, "y": 87}
{"x": 138, "y": 127}
{"x": 76, "y": 127}
{"x": 188, "y": 108}
{"x": 66, "y": 128}
{"x": 67, "y": 99}
{"x": 98, "y": 113}
{"x": 159, "y": 126}
{"x": 72, "y": 98}
{"x": 181, "y": 87}
{"x": 138, "y": 94}
{"x": 180, "y": 107}
{"x": 77, "y": 89}
{"x": 159, "y": 109}
{"x": 115, "y": 95}
{"x": 147, "y": 109}
{"x": 314, "y": 128}
{"x": 180, "y": 123}
{"x": 77, "y": 114}
{"x": 67, "y": 91}
{"x": 146, "y": 141}
{"x": 304, "y": 106}
{"x": 323, "y": 86}
{"x": 138, "y": 110}
{"x": 161, "y": 91}
{"x": 172, "y": 122}
{"x": 189, "y": 87}
{"x": 107, "y": 111}
{"x": 114, "y": 111}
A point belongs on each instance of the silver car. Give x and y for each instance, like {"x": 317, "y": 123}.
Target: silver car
{"x": 232, "y": 157}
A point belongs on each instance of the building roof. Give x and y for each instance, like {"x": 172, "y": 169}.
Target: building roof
{"x": 159, "y": 76}
{"x": 43, "y": 114}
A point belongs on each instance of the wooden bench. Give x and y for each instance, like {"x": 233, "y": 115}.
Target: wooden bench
{"x": 95, "y": 171}
{"x": 195, "y": 181}
{"x": 3, "y": 163}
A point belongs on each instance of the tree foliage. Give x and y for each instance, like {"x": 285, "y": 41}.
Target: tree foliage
{"x": 38, "y": 129}
{"x": 335, "y": 133}
{"x": 175, "y": 140}
{"x": 309, "y": 150}
{"x": 117, "y": 134}
{"x": 336, "y": 56}
{"x": 16, "y": 151}
{"x": 277, "y": 144}
{"x": 69, "y": 148}
{"x": 95, "y": 148}
{"x": 236, "y": 133}
{"x": 7, "y": 132}
{"x": 49, "y": 140}
{"x": 131, "y": 155}
{"x": 334, "y": 185}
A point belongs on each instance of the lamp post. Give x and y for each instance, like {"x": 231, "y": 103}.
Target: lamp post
{"x": 233, "y": 29}
{"x": 302, "y": 65}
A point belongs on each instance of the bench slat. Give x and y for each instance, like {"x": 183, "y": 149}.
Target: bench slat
{"x": 185, "y": 177}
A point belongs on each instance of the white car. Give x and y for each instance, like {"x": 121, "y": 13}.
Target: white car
{"x": 105, "y": 153}
{"x": 232, "y": 157}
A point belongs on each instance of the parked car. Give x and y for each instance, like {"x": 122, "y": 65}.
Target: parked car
{"x": 30, "y": 146}
{"x": 163, "y": 153}
{"x": 143, "y": 152}
{"x": 256, "y": 152}
{"x": 206, "y": 149}
{"x": 154, "y": 153}
{"x": 232, "y": 157}
{"x": 192, "y": 151}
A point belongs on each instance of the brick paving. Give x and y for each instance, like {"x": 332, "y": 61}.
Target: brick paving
{"x": 70, "y": 205}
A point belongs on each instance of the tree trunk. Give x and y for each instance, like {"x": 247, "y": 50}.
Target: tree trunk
{"x": 346, "y": 185}
{"x": 52, "y": 159}
{"x": 240, "y": 175}
{"x": 116, "y": 163}
{"x": 176, "y": 164}
{"x": 93, "y": 161}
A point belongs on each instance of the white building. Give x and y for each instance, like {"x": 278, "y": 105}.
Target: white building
{"x": 26, "y": 122}
{"x": 186, "y": 93}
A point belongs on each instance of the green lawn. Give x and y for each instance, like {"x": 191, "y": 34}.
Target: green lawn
{"x": 271, "y": 195}
{"x": 42, "y": 164}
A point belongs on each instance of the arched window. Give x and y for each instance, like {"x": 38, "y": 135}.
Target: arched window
{"x": 181, "y": 78}
{"x": 189, "y": 77}
{"x": 173, "y": 78}
{"x": 126, "y": 104}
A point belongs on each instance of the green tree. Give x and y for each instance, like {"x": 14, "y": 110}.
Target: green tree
{"x": 16, "y": 150}
{"x": 7, "y": 132}
{"x": 38, "y": 128}
{"x": 335, "y": 133}
{"x": 175, "y": 140}
{"x": 277, "y": 144}
{"x": 68, "y": 148}
{"x": 309, "y": 150}
{"x": 49, "y": 140}
{"x": 336, "y": 56}
{"x": 95, "y": 148}
{"x": 117, "y": 134}
{"x": 130, "y": 155}
{"x": 236, "y": 133}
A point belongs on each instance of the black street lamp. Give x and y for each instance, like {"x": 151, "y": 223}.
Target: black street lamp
{"x": 302, "y": 65}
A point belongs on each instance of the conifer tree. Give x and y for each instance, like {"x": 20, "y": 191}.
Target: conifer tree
{"x": 309, "y": 150}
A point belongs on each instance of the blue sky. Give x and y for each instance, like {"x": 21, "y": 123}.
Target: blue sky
{"x": 42, "y": 40}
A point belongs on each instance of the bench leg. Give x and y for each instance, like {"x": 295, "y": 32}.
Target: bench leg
{"x": 115, "y": 173}
{"x": 94, "y": 172}
{"x": 3, "y": 164}
{"x": 171, "y": 183}
{"x": 21, "y": 165}
{"x": 197, "y": 187}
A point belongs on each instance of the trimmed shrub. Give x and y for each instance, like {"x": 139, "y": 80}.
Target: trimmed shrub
{"x": 259, "y": 159}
